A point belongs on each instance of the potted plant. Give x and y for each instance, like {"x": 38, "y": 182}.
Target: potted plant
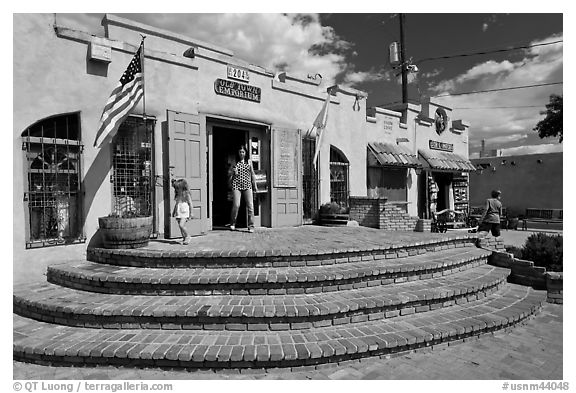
{"x": 126, "y": 227}
{"x": 332, "y": 213}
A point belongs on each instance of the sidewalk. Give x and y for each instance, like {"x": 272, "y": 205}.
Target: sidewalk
{"x": 517, "y": 238}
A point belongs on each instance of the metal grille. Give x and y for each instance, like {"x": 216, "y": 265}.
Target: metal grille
{"x": 132, "y": 168}
{"x": 53, "y": 151}
{"x": 309, "y": 180}
{"x": 339, "y": 171}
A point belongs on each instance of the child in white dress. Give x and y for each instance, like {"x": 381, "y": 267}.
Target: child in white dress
{"x": 183, "y": 207}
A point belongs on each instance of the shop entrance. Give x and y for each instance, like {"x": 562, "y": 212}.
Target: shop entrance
{"x": 225, "y": 143}
{"x": 224, "y": 139}
{"x": 443, "y": 180}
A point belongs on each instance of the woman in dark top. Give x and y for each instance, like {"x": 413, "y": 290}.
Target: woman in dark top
{"x": 242, "y": 178}
{"x": 490, "y": 220}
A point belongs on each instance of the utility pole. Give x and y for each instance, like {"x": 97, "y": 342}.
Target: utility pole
{"x": 403, "y": 62}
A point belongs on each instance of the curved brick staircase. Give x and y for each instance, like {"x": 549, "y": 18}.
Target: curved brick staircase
{"x": 260, "y": 306}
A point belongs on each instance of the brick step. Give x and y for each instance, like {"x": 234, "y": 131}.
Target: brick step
{"x": 103, "y": 278}
{"x": 46, "y": 343}
{"x": 55, "y": 304}
{"x": 162, "y": 256}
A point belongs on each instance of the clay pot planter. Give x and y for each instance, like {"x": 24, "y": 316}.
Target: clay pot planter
{"x": 327, "y": 219}
{"x": 122, "y": 232}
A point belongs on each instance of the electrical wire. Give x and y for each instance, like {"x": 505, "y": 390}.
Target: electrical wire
{"x": 505, "y": 107}
{"x": 501, "y": 89}
{"x": 486, "y": 52}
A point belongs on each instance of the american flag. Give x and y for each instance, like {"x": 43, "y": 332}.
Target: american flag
{"x": 122, "y": 100}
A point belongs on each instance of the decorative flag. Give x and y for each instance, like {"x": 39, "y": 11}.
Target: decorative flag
{"x": 123, "y": 99}
{"x": 320, "y": 125}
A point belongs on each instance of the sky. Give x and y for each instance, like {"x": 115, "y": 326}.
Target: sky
{"x": 351, "y": 49}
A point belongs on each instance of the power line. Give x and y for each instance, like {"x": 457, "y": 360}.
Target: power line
{"x": 504, "y": 107}
{"x": 487, "y": 51}
{"x": 501, "y": 89}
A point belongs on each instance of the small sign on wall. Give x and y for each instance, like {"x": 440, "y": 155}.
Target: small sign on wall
{"x": 237, "y": 90}
{"x": 388, "y": 125}
{"x": 435, "y": 145}
{"x": 238, "y": 73}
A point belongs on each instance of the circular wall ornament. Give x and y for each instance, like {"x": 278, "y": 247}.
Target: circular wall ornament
{"x": 440, "y": 120}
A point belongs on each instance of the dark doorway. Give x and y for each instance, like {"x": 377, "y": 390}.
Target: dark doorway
{"x": 226, "y": 142}
{"x": 443, "y": 180}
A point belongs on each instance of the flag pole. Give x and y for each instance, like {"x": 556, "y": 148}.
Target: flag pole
{"x": 143, "y": 81}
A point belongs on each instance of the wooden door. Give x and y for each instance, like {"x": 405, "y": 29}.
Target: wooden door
{"x": 286, "y": 177}
{"x": 185, "y": 158}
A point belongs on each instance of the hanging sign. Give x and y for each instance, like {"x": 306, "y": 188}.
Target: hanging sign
{"x": 435, "y": 145}
{"x": 237, "y": 90}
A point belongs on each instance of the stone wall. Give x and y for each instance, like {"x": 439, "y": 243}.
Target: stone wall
{"x": 381, "y": 214}
{"x": 525, "y": 273}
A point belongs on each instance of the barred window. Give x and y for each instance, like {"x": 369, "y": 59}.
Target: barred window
{"x": 132, "y": 168}
{"x": 53, "y": 200}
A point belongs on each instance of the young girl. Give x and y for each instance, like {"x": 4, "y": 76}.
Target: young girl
{"x": 183, "y": 207}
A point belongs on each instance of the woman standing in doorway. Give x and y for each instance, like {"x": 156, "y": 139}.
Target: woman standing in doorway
{"x": 242, "y": 178}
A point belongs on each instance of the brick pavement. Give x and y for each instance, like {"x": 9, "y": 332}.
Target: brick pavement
{"x": 531, "y": 351}
{"x": 311, "y": 247}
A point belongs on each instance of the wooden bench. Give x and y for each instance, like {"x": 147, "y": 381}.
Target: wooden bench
{"x": 542, "y": 217}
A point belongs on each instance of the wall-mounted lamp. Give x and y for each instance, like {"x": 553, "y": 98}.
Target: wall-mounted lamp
{"x": 418, "y": 171}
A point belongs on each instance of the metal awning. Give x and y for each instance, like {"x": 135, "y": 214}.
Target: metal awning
{"x": 387, "y": 154}
{"x": 443, "y": 161}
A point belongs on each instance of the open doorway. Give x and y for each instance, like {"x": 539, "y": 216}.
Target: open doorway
{"x": 443, "y": 180}
{"x": 225, "y": 144}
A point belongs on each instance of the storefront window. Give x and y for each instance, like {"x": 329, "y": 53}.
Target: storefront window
{"x": 132, "y": 168}
{"x": 53, "y": 155}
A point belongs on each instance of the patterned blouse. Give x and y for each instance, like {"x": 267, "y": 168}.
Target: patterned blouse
{"x": 243, "y": 179}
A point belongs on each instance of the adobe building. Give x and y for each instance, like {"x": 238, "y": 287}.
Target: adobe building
{"x": 529, "y": 181}
{"x": 201, "y": 103}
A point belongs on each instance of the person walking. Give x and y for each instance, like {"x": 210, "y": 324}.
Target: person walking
{"x": 243, "y": 181}
{"x": 490, "y": 220}
{"x": 183, "y": 207}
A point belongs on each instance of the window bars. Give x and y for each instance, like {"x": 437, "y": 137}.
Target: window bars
{"x": 309, "y": 180}
{"x": 132, "y": 183}
{"x": 53, "y": 199}
{"x": 339, "y": 174}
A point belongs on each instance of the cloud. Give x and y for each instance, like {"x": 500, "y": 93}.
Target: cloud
{"x": 295, "y": 43}
{"x": 533, "y": 149}
{"x": 496, "y": 116}
{"x": 431, "y": 74}
{"x": 356, "y": 77}
{"x": 489, "y": 21}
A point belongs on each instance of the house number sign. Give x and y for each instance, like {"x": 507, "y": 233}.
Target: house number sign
{"x": 238, "y": 73}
